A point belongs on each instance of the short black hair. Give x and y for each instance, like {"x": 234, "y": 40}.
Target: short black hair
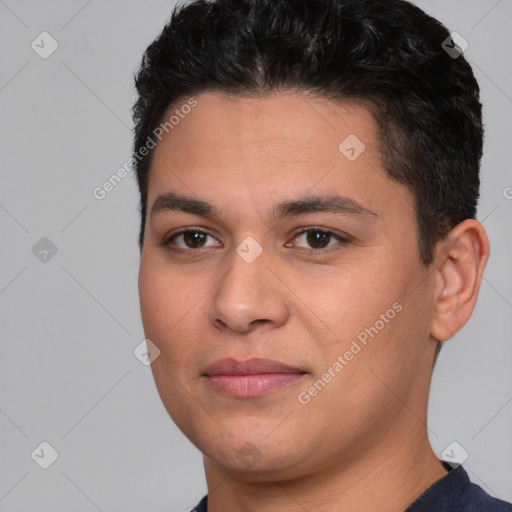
{"x": 386, "y": 54}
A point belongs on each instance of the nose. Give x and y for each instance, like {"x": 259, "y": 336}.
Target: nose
{"x": 248, "y": 297}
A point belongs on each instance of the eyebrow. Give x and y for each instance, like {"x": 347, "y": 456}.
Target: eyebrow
{"x": 171, "y": 201}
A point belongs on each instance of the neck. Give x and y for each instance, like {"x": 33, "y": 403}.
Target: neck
{"x": 397, "y": 472}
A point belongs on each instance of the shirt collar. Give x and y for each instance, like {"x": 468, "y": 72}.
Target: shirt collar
{"x": 445, "y": 494}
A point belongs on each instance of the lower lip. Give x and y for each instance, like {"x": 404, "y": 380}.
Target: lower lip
{"x": 251, "y": 385}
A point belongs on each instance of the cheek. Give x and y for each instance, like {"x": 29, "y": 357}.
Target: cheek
{"x": 154, "y": 298}
{"x": 349, "y": 301}
{"x": 165, "y": 295}
{"x": 395, "y": 350}
{"x": 167, "y": 312}
{"x": 374, "y": 321}
{"x": 164, "y": 306}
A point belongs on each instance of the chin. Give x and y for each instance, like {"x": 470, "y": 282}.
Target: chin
{"x": 251, "y": 460}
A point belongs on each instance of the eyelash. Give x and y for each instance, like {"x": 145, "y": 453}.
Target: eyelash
{"x": 343, "y": 240}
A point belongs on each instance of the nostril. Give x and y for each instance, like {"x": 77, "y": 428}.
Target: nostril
{"x": 255, "y": 322}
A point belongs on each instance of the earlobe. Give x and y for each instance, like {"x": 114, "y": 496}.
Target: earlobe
{"x": 461, "y": 258}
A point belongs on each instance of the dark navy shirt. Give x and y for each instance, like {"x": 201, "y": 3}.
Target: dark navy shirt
{"x": 454, "y": 492}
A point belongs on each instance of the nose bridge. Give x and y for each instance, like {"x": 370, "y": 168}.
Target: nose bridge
{"x": 247, "y": 291}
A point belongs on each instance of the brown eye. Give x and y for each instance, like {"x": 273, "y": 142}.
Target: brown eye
{"x": 190, "y": 239}
{"x": 194, "y": 239}
{"x": 317, "y": 239}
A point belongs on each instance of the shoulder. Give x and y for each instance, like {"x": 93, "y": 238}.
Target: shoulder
{"x": 202, "y": 506}
{"x": 456, "y": 493}
{"x": 476, "y": 499}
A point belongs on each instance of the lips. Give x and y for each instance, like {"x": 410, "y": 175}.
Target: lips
{"x": 250, "y": 367}
{"x": 251, "y": 378}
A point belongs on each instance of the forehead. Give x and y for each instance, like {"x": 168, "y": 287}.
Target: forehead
{"x": 290, "y": 126}
{"x": 262, "y": 150}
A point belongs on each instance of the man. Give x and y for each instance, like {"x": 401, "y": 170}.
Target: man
{"x": 309, "y": 175}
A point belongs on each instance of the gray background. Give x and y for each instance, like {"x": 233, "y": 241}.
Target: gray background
{"x": 70, "y": 324}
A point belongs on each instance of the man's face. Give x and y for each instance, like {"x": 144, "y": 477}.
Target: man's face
{"x": 349, "y": 311}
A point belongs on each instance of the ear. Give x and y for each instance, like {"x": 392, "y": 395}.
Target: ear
{"x": 460, "y": 261}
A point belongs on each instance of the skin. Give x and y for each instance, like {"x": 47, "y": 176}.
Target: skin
{"x": 361, "y": 443}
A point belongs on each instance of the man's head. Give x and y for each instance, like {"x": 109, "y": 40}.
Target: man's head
{"x": 386, "y": 55}
{"x": 310, "y": 203}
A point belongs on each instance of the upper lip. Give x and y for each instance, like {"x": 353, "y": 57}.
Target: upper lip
{"x": 249, "y": 367}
